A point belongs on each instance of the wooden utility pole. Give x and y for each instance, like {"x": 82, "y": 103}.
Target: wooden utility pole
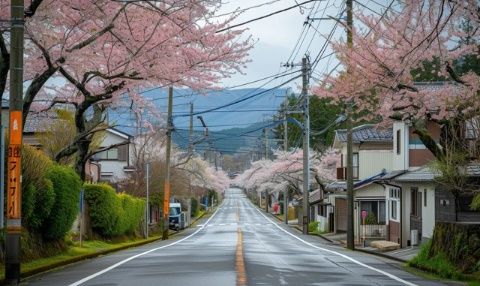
{"x": 350, "y": 195}
{"x": 285, "y": 146}
{"x": 265, "y": 133}
{"x": 190, "y": 153}
{"x": 190, "y": 131}
{"x": 306, "y": 141}
{"x": 166, "y": 196}
{"x": 14, "y": 188}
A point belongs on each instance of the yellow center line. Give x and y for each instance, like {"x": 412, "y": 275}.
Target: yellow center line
{"x": 240, "y": 263}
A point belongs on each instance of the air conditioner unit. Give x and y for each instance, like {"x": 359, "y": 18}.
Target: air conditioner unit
{"x": 414, "y": 237}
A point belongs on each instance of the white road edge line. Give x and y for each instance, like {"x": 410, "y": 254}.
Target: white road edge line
{"x": 396, "y": 278}
{"x": 79, "y": 282}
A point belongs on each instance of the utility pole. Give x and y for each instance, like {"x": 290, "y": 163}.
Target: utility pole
{"x": 285, "y": 132}
{"x": 265, "y": 133}
{"x": 14, "y": 212}
{"x": 147, "y": 208}
{"x": 350, "y": 195}
{"x": 166, "y": 196}
{"x": 285, "y": 147}
{"x": 190, "y": 131}
{"x": 190, "y": 153}
{"x": 306, "y": 141}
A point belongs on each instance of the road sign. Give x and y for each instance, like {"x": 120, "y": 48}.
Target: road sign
{"x": 364, "y": 214}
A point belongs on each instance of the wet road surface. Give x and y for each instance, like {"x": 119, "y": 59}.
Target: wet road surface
{"x": 237, "y": 245}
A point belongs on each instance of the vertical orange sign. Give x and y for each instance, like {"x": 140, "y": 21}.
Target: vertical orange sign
{"x": 166, "y": 200}
{"x": 14, "y": 166}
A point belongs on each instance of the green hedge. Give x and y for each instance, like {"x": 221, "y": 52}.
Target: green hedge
{"x": 38, "y": 195}
{"x": 66, "y": 184}
{"x": 113, "y": 214}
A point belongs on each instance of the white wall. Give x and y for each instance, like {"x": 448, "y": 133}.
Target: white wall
{"x": 400, "y": 161}
{"x": 114, "y": 167}
{"x": 372, "y": 162}
{"x": 428, "y": 212}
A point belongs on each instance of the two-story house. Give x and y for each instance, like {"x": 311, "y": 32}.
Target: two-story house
{"x": 372, "y": 157}
{"x": 415, "y": 200}
{"x": 115, "y": 163}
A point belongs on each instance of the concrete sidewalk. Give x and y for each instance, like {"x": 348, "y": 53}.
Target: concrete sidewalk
{"x": 401, "y": 255}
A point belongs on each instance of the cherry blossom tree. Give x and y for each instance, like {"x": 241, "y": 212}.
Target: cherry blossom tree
{"x": 106, "y": 49}
{"x": 285, "y": 171}
{"x": 391, "y": 50}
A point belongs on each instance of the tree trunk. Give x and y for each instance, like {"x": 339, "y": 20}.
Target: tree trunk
{"x": 4, "y": 65}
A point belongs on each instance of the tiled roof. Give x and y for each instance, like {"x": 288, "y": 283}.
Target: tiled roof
{"x": 423, "y": 174}
{"x": 366, "y": 133}
{"x": 39, "y": 122}
{"x": 342, "y": 185}
{"x": 314, "y": 196}
{"x": 390, "y": 175}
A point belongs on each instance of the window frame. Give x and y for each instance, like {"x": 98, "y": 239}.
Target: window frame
{"x": 399, "y": 142}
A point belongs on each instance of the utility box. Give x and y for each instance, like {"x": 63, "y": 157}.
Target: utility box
{"x": 414, "y": 237}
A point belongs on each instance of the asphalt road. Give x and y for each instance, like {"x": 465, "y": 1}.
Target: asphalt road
{"x": 238, "y": 245}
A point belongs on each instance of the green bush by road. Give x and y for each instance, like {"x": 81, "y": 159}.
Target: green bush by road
{"x": 113, "y": 214}
{"x": 66, "y": 184}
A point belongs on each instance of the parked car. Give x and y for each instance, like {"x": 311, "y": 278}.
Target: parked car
{"x": 176, "y": 217}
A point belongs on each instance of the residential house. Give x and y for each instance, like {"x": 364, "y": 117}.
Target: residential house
{"x": 415, "y": 201}
{"x": 372, "y": 158}
{"x": 116, "y": 162}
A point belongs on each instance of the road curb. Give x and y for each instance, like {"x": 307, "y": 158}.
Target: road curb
{"x": 72, "y": 260}
{"x": 381, "y": 255}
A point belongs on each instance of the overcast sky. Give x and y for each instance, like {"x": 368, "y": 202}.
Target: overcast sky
{"x": 275, "y": 37}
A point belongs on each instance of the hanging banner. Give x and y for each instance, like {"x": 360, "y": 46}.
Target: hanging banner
{"x": 14, "y": 167}
{"x": 166, "y": 199}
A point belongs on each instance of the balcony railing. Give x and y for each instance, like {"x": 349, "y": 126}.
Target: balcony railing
{"x": 373, "y": 231}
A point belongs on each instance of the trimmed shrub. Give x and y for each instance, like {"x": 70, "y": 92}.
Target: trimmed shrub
{"x": 103, "y": 208}
{"x": 113, "y": 214}
{"x": 132, "y": 213}
{"x": 66, "y": 184}
{"x": 313, "y": 226}
{"x": 38, "y": 196}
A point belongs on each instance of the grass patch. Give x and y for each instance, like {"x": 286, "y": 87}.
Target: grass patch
{"x": 440, "y": 266}
{"x": 75, "y": 253}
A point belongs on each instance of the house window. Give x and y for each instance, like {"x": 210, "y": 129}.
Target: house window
{"x": 394, "y": 208}
{"x": 119, "y": 153}
{"x": 425, "y": 197}
{"x": 399, "y": 138}
{"x": 111, "y": 154}
{"x": 414, "y": 201}
{"x": 377, "y": 208}
{"x": 355, "y": 165}
{"x": 322, "y": 210}
{"x": 394, "y": 203}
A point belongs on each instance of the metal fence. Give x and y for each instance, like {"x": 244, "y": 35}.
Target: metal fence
{"x": 373, "y": 230}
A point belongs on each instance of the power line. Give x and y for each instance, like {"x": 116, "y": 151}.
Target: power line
{"x": 239, "y": 100}
{"x": 239, "y": 11}
{"x": 265, "y": 16}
